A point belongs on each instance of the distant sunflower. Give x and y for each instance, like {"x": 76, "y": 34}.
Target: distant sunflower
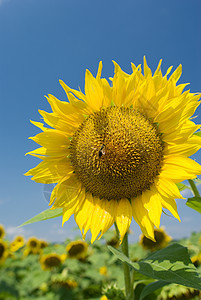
{"x": 33, "y": 246}
{"x": 43, "y": 244}
{"x": 3, "y": 251}
{"x": 196, "y": 260}
{"x": 176, "y": 291}
{"x": 50, "y": 261}
{"x": 69, "y": 284}
{"x": 161, "y": 240}
{"x": 114, "y": 242}
{"x": 77, "y": 249}
{"x": 117, "y": 151}
{"x": 2, "y": 231}
{"x": 17, "y": 243}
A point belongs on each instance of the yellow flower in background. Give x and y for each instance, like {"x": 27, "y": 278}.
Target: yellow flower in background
{"x": 33, "y": 242}
{"x": 117, "y": 151}
{"x": 50, "y": 261}
{"x": 43, "y": 244}
{"x": 69, "y": 284}
{"x": 2, "y": 231}
{"x": 33, "y": 246}
{"x": 103, "y": 270}
{"x": 3, "y": 251}
{"x": 77, "y": 249}
{"x": 114, "y": 242}
{"x": 162, "y": 239}
{"x": 177, "y": 291}
{"x": 196, "y": 260}
{"x": 104, "y": 298}
{"x": 17, "y": 243}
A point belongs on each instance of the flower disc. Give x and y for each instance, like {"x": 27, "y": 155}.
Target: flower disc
{"x": 116, "y": 153}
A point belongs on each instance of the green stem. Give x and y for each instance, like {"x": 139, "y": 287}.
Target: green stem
{"x": 194, "y": 188}
{"x": 127, "y": 275}
{"x": 117, "y": 230}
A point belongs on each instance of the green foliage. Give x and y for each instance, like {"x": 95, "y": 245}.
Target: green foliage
{"x": 194, "y": 203}
{"x": 171, "y": 264}
{"x": 181, "y": 186}
{"x": 44, "y": 215}
{"x": 22, "y": 277}
{"x": 198, "y": 133}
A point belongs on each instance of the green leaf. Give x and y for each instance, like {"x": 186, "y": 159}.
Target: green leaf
{"x": 182, "y": 186}
{"x": 194, "y": 203}
{"x": 197, "y": 181}
{"x": 171, "y": 264}
{"x": 44, "y": 215}
{"x": 198, "y": 133}
{"x": 152, "y": 287}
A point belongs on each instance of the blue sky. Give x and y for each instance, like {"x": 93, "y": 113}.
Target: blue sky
{"x": 43, "y": 41}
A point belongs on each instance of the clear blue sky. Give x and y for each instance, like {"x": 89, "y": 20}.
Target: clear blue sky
{"x": 42, "y": 41}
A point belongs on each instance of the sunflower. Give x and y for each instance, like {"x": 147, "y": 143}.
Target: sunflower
{"x": 32, "y": 246}
{"x": 77, "y": 249}
{"x": 2, "y": 231}
{"x": 43, "y": 244}
{"x": 50, "y": 261}
{"x": 68, "y": 284}
{"x": 17, "y": 243}
{"x": 114, "y": 242}
{"x": 117, "y": 151}
{"x": 3, "y": 251}
{"x": 196, "y": 260}
{"x": 176, "y": 291}
{"x": 161, "y": 240}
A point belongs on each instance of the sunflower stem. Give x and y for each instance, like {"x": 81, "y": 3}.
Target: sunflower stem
{"x": 127, "y": 275}
{"x": 117, "y": 230}
{"x": 194, "y": 188}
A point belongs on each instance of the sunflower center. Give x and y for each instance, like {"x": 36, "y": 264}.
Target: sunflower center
{"x": 2, "y": 250}
{"x": 116, "y": 153}
{"x": 52, "y": 261}
{"x": 76, "y": 249}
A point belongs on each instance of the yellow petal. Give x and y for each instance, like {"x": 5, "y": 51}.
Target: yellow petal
{"x": 140, "y": 214}
{"x": 167, "y": 188}
{"x": 67, "y": 191}
{"x": 84, "y": 214}
{"x": 102, "y": 218}
{"x": 186, "y": 149}
{"x": 179, "y": 168}
{"x": 181, "y": 134}
{"x": 93, "y": 91}
{"x": 100, "y": 66}
{"x": 147, "y": 70}
{"x": 72, "y": 206}
{"x": 170, "y": 204}
{"x": 54, "y": 141}
{"x": 78, "y": 94}
{"x": 66, "y": 125}
{"x": 50, "y": 171}
{"x": 151, "y": 201}
{"x": 176, "y": 74}
{"x": 123, "y": 216}
{"x": 39, "y": 125}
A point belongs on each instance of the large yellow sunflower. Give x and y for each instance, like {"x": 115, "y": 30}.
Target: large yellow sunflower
{"x": 117, "y": 151}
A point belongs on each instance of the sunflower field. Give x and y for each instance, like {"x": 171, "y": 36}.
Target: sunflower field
{"x": 36, "y": 269}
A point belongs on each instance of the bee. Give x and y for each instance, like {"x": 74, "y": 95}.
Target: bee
{"x": 101, "y": 151}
